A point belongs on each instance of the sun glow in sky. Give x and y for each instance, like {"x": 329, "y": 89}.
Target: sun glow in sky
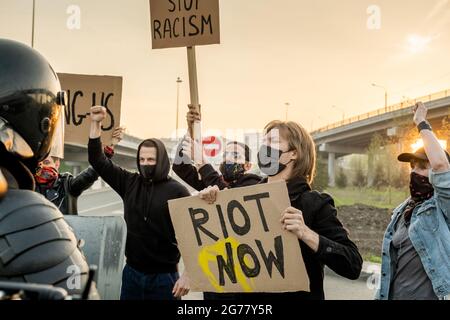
{"x": 312, "y": 54}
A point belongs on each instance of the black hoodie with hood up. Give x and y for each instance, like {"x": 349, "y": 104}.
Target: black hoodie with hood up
{"x": 151, "y": 245}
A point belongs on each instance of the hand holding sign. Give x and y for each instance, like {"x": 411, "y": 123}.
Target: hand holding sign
{"x": 292, "y": 220}
{"x": 193, "y": 150}
{"x": 209, "y": 194}
{"x": 192, "y": 116}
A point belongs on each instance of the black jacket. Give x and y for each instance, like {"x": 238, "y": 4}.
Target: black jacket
{"x": 151, "y": 246}
{"x": 65, "y": 191}
{"x": 207, "y": 175}
{"x": 336, "y": 250}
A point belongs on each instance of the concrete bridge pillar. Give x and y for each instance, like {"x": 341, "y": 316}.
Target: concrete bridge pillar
{"x": 370, "y": 170}
{"x": 331, "y": 169}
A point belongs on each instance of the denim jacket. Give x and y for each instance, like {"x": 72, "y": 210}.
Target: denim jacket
{"x": 430, "y": 235}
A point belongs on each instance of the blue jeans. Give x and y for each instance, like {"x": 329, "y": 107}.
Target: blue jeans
{"x": 140, "y": 286}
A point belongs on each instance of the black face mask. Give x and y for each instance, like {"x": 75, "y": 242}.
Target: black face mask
{"x": 148, "y": 171}
{"x": 420, "y": 187}
{"x": 269, "y": 160}
{"x": 232, "y": 171}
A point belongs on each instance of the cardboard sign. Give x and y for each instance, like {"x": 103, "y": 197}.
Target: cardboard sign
{"x": 83, "y": 92}
{"x": 237, "y": 244}
{"x": 184, "y": 23}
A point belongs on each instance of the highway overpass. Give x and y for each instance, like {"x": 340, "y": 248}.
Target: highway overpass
{"x": 353, "y": 135}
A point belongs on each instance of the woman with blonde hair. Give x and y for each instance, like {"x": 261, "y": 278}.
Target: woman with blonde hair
{"x": 288, "y": 153}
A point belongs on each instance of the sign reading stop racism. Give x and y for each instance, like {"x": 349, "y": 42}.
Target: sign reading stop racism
{"x": 184, "y": 23}
{"x": 211, "y": 146}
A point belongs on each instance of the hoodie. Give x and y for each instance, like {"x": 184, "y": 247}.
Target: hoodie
{"x": 151, "y": 246}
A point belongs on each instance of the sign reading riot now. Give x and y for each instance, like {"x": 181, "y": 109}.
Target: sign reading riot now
{"x": 83, "y": 92}
{"x": 237, "y": 244}
{"x": 184, "y": 23}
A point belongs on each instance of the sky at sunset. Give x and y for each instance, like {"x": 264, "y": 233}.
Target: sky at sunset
{"x": 312, "y": 54}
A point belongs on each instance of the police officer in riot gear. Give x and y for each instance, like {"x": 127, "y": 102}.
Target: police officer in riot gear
{"x": 36, "y": 244}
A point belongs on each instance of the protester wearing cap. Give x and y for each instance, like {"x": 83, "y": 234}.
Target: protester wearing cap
{"x": 416, "y": 246}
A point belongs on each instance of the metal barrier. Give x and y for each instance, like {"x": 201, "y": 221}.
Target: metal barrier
{"x": 104, "y": 246}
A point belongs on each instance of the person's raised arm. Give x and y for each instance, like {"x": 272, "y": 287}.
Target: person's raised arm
{"x": 87, "y": 177}
{"x": 114, "y": 175}
{"x": 435, "y": 153}
{"x": 98, "y": 114}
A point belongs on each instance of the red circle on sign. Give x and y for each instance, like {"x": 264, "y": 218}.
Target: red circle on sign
{"x": 211, "y": 146}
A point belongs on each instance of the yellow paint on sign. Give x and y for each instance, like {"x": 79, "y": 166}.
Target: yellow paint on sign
{"x": 209, "y": 254}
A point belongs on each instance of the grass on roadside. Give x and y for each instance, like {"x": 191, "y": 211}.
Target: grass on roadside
{"x": 372, "y": 258}
{"x": 368, "y": 196}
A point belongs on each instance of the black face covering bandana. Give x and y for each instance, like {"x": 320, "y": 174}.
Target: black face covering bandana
{"x": 148, "y": 171}
{"x": 420, "y": 187}
{"x": 269, "y": 160}
{"x": 421, "y": 190}
{"x": 232, "y": 171}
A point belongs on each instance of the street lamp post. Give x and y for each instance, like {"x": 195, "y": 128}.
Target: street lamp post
{"x": 179, "y": 81}
{"x": 312, "y": 122}
{"x": 408, "y": 100}
{"x": 32, "y": 23}
{"x": 385, "y": 95}
{"x": 287, "y": 106}
{"x": 343, "y": 112}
